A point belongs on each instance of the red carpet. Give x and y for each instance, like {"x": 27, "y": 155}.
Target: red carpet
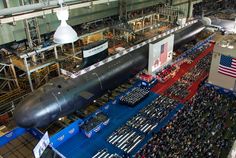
{"x": 160, "y": 88}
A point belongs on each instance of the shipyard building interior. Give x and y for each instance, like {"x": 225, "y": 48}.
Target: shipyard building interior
{"x": 117, "y": 78}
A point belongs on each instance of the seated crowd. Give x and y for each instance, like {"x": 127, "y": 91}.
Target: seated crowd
{"x": 94, "y": 121}
{"x": 180, "y": 88}
{"x": 197, "y": 52}
{"x": 168, "y": 72}
{"x": 136, "y": 128}
{"x": 135, "y": 96}
{"x": 205, "y": 127}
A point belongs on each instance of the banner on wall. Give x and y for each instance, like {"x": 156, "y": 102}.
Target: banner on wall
{"x": 93, "y": 51}
{"x": 160, "y": 53}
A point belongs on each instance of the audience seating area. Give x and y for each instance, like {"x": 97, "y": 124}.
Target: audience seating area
{"x": 183, "y": 134}
{"x": 133, "y": 97}
{"x": 94, "y": 121}
{"x": 105, "y": 154}
{"x": 201, "y": 129}
{"x": 168, "y": 72}
{"x": 197, "y": 52}
{"x": 127, "y": 137}
{"x": 180, "y": 89}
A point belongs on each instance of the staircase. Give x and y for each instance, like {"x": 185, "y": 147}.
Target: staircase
{"x": 32, "y": 27}
{"x": 32, "y": 32}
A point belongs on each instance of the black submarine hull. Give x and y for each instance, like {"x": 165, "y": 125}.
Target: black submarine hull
{"x": 61, "y": 96}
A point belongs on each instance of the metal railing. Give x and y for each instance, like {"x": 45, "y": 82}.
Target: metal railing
{"x": 10, "y": 106}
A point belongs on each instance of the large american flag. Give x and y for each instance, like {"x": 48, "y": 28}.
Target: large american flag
{"x": 164, "y": 52}
{"x": 227, "y": 66}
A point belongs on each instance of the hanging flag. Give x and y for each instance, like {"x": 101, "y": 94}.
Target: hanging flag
{"x": 227, "y": 66}
{"x": 164, "y": 52}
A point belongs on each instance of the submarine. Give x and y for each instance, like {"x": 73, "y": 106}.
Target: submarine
{"x": 60, "y": 96}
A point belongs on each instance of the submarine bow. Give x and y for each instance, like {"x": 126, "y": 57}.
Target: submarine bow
{"x": 61, "y": 96}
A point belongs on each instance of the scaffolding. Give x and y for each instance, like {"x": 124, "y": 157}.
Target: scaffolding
{"x": 8, "y": 78}
{"x": 32, "y": 32}
{"x": 38, "y": 64}
{"x": 9, "y": 86}
{"x": 169, "y": 12}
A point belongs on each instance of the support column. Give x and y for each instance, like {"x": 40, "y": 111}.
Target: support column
{"x": 28, "y": 35}
{"x": 151, "y": 20}
{"x": 73, "y": 48}
{"x": 102, "y": 35}
{"x": 6, "y": 3}
{"x": 123, "y": 9}
{"x": 7, "y": 76}
{"x": 127, "y": 37}
{"x": 14, "y": 75}
{"x": 34, "y": 59}
{"x": 143, "y": 25}
{"x": 28, "y": 74}
{"x": 189, "y": 9}
{"x": 56, "y": 56}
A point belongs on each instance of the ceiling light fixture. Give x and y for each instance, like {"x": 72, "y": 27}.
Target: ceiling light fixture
{"x": 64, "y": 33}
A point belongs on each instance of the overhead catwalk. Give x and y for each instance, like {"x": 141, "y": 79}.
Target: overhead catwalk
{"x": 61, "y": 96}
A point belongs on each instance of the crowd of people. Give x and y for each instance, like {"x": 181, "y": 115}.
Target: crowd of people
{"x": 94, "y": 121}
{"x": 125, "y": 138}
{"x": 128, "y": 137}
{"x": 180, "y": 88}
{"x": 168, "y": 72}
{"x": 150, "y": 116}
{"x": 201, "y": 129}
{"x": 197, "y": 52}
{"x": 133, "y": 97}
